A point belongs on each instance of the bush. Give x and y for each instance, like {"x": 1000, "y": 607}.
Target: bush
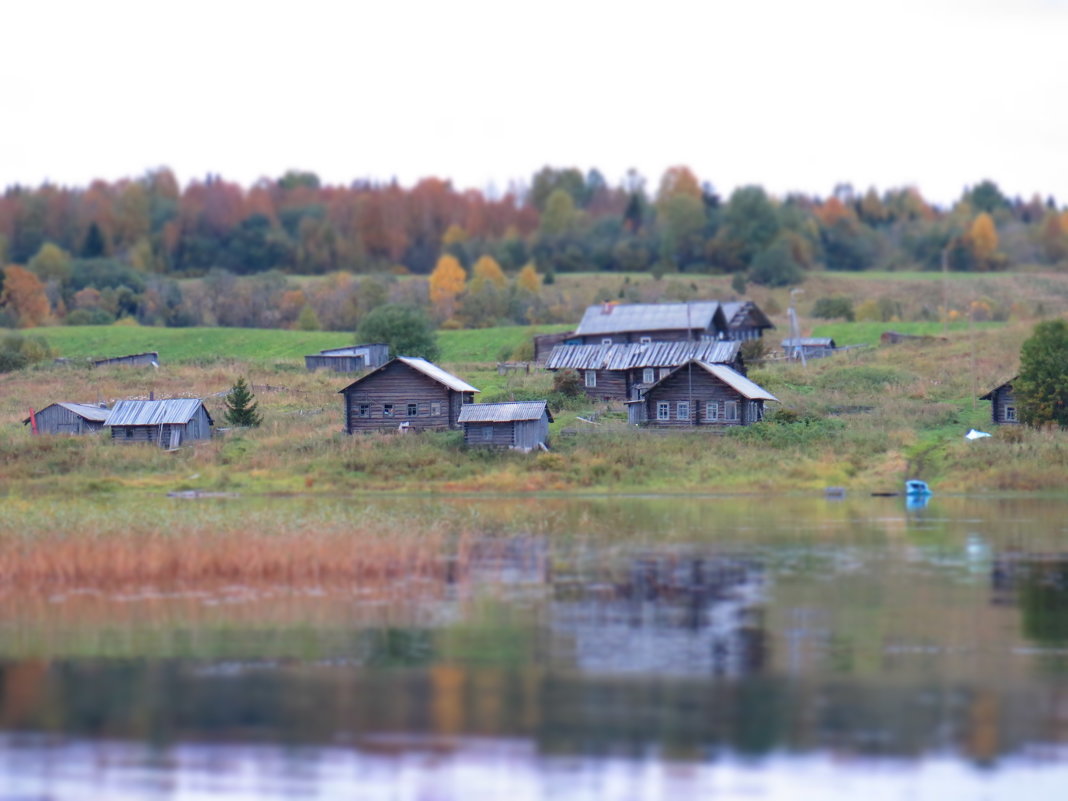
{"x": 567, "y": 383}
{"x": 17, "y": 351}
{"x": 833, "y": 308}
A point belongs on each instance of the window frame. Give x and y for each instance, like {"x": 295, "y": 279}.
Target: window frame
{"x": 663, "y": 410}
{"x": 730, "y": 411}
{"x": 712, "y": 411}
{"x": 590, "y": 379}
{"x": 435, "y": 408}
{"x": 682, "y": 410}
{"x": 648, "y": 375}
{"x": 1010, "y": 414}
{"x": 413, "y": 410}
{"x": 387, "y": 410}
{"x": 487, "y": 433}
{"x": 363, "y": 410}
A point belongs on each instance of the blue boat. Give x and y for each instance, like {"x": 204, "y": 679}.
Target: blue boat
{"x": 915, "y": 488}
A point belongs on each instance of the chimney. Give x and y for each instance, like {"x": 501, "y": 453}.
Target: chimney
{"x": 606, "y": 308}
{"x": 152, "y": 394}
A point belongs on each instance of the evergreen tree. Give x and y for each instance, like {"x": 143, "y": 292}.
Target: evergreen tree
{"x": 240, "y": 408}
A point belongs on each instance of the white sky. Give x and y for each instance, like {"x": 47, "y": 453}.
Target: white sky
{"x": 791, "y": 95}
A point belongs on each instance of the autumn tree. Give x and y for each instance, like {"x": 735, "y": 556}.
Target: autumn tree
{"x": 487, "y": 271}
{"x": 983, "y": 241}
{"x": 52, "y": 263}
{"x": 528, "y": 279}
{"x": 25, "y": 295}
{"x": 446, "y": 283}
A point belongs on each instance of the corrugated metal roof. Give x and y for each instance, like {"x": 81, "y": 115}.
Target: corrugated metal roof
{"x": 435, "y": 372}
{"x": 351, "y": 350}
{"x": 634, "y": 355}
{"x": 502, "y": 412}
{"x": 738, "y": 382}
{"x": 174, "y": 411}
{"x": 90, "y": 411}
{"x": 611, "y": 319}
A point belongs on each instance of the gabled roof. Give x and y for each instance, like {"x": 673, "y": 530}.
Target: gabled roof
{"x": 740, "y": 312}
{"x": 634, "y": 355}
{"x": 350, "y": 350}
{"x": 733, "y": 379}
{"x": 173, "y": 411}
{"x": 503, "y": 412}
{"x": 431, "y": 371}
{"x": 990, "y": 395}
{"x": 87, "y": 411}
{"x": 610, "y": 318}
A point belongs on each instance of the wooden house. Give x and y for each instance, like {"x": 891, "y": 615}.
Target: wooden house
{"x": 700, "y": 394}
{"x": 611, "y": 323}
{"x": 522, "y": 425}
{"x": 166, "y": 423}
{"x": 1002, "y": 403}
{"x": 406, "y": 393}
{"x": 810, "y": 347}
{"x": 68, "y": 418}
{"x": 149, "y": 359}
{"x": 352, "y": 359}
{"x": 622, "y": 372}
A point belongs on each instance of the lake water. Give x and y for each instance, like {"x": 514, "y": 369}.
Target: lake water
{"x": 636, "y": 648}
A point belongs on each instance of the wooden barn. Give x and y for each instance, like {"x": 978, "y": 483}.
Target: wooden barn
{"x": 68, "y": 418}
{"x": 701, "y": 394}
{"x": 149, "y": 359}
{"x": 166, "y": 423}
{"x": 622, "y": 372}
{"x": 1002, "y": 404}
{"x": 522, "y": 425}
{"x": 611, "y": 323}
{"x": 406, "y": 393}
{"x": 810, "y": 347}
{"x": 352, "y": 359}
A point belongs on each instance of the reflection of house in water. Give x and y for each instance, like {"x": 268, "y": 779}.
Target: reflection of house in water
{"x": 667, "y": 615}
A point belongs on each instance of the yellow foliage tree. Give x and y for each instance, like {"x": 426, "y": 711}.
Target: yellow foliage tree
{"x": 528, "y": 279}
{"x": 487, "y": 271}
{"x": 454, "y": 235}
{"x": 25, "y": 295}
{"x": 984, "y": 240}
{"x": 446, "y": 282}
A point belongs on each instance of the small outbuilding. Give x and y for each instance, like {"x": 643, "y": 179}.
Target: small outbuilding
{"x": 148, "y": 359}
{"x": 521, "y": 425}
{"x": 68, "y": 418}
{"x": 166, "y": 423}
{"x": 701, "y": 394}
{"x": 1002, "y": 403}
{"x": 352, "y": 359}
{"x": 809, "y": 347}
{"x": 406, "y": 393}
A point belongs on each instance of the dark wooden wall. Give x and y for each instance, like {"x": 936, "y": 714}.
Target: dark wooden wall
{"x": 400, "y": 385}
{"x": 704, "y": 388}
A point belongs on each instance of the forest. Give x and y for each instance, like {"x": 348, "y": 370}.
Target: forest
{"x": 292, "y": 252}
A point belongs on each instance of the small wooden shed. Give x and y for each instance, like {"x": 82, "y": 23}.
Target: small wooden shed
{"x": 149, "y": 359}
{"x": 521, "y": 425}
{"x": 701, "y": 394}
{"x": 406, "y": 393}
{"x": 69, "y": 418}
{"x": 167, "y": 423}
{"x": 810, "y": 347}
{"x": 1002, "y": 404}
{"x": 352, "y": 359}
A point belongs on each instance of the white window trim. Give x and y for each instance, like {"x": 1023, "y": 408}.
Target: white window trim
{"x": 730, "y": 411}
{"x": 664, "y": 372}
{"x": 648, "y": 375}
{"x": 606, "y": 340}
{"x": 591, "y": 379}
{"x": 682, "y": 410}
{"x": 1010, "y": 413}
{"x": 645, "y": 340}
{"x": 663, "y": 410}
{"x": 712, "y": 410}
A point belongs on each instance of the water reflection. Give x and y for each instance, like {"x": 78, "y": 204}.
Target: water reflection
{"x": 556, "y": 663}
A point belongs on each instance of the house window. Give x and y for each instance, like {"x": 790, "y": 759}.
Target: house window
{"x": 712, "y": 411}
{"x": 1010, "y": 414}
{"x": 664, "y": 372}
{"x": 648, "y": 375}
{"x": 730, "y": 410}
{"x": 644, "y": 340}
{"x": 663, "y": 410}
{"x": 487, "y": 432}
{"x": 606, "y": 341}
{"x": 755, "y": 412}
{"x": 413, "y": 409}
{"x": 435, "y": 409}
{"x": 387, "y": 409}
{"x": 591, "y": 378}
{"x": 682, "y": 410}
{"x": 129, "y": 433}
{"x": 363, "y": 410}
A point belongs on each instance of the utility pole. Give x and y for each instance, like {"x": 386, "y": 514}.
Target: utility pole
{"x": 795, "y": 328}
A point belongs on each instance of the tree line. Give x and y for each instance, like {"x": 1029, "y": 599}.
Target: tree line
{"x": 115, "y": 250}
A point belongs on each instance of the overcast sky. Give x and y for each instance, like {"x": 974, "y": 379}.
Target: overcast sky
{"x": 794, "y": 96}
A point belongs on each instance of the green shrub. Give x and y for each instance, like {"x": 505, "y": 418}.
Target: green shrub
{"x": 18, "y": 351}
{"x": 833, "y": 308}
